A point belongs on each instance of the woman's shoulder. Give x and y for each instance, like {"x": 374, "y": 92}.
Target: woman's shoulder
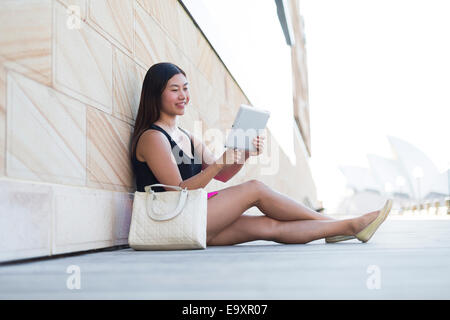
{"x": 151, "y": 135}
{"x": 150, "y": 139}
{"x": 150, "y": 132}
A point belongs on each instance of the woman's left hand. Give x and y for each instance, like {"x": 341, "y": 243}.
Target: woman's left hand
{"x": 258, "y": 142}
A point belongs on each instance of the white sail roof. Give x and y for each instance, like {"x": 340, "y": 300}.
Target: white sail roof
{"x": 390, "y": 175}
{"x": 410, "y": 173}
{"x": 359, "y": 179}
{"x": 422, "y": 173}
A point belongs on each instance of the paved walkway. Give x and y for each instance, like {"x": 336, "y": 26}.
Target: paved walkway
{"x": 406, "y": 259}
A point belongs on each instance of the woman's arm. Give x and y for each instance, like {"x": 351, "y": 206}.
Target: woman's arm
{"x": 157, "y": 152}
{"x": 230, "y": 171}
{"x": 202, "y": 151}
{"x": 200, "y": 180}
{"x": 227, "y": 171}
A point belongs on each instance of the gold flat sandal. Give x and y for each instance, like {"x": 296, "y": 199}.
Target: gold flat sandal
{"x": 384, "y": 214}
{"x": 369, "y": 231}
{"x": 335, "y": 239}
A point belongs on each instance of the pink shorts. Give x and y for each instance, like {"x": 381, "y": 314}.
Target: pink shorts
{"x": 212, "y": 194}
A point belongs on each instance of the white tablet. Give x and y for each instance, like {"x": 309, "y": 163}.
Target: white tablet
{"x": 249, "y": 123}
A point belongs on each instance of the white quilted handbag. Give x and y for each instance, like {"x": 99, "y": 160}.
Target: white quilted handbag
{"x": 168, "y": 220}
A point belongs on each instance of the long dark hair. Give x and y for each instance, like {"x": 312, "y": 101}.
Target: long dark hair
{"x": 154, "y": 84}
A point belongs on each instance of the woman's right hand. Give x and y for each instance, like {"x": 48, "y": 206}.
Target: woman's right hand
{"x": 230, "y": 157}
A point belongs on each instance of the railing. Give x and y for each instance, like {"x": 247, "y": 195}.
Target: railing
{"x": 426, "y": 208}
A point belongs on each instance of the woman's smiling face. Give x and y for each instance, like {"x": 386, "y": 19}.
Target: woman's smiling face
{"x": 175, "y": 96}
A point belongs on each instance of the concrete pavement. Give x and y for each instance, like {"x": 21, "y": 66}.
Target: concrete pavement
{"x": 406, "y": 259}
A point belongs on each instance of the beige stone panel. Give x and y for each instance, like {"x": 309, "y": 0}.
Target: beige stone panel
{"x": 108, "y": 142}
{"x": 46, "y": 133}
{"x": 152, "y": 43}
{"x": 166, "y": 13}
{"x": 240, "y": 98}
{"x": 194, "y": 86}
{"x": 227, "y": 112}
{"x": 2, "y": 118}
{"x": 308, "y": 186}
{"x": 196, "y": 47}
{"x": 226, "y": 117}
{"x": 82, "y": 62}
{"x": 204, "y": 59}
{"x": 282, "y": 177}
{"x": 233, "y": 93}
{"x": 267, "y": 165}
{"x": 232, "y": 96}
{"x": 182, "y": 62}
{"x": 189, "y": 36}
{"x": 189, "y": 119}
{"x": 254, "y": 170}
{"x": 25, "y": 37}
{"x": 191, "y": 115}
{"x": 75, "y": 7}
{"x": 187, "y": 67}
{"x": 174, "y": 21}
{"x": 127, "y": 85}
{"x": 88, "y": 219}
{"x": 195, "y": 89}
{"x": 208, "y": 105}
{"x": 123, "y": 208}
{"x": 218, "y": 76}
{"x": 25, "y": 220}
{"x": 114, "y": 19}
{"x": 294, "y": 181}
{"x": 204, "y": 99}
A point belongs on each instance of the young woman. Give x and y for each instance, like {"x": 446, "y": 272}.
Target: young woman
{"x": 162, "y": 152}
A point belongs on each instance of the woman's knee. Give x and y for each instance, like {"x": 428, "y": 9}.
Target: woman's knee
{"x": 256, "y": 183}
{"x": 258, "y": 188}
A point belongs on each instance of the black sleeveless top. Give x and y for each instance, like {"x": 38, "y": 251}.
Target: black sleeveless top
{"x": 187, "y": 166}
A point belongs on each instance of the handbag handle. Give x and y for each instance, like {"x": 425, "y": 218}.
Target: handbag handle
{"x": 148, "y": 188}
{"x": 169, "y": 215}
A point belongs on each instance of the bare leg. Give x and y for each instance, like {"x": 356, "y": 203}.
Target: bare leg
{"x": 246, "y": 228}
{"x": 281, "y": 207}
{"x": 304, "y": 231}
{"x": 286, "y": 220}
{"x": 250, "y": 228}
{"x": 228, "y": 205}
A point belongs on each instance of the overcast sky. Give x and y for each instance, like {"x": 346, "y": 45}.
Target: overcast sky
{"x": 375, "y": 68}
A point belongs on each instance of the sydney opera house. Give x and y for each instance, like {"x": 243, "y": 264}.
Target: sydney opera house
{"x": 409, "y": 177}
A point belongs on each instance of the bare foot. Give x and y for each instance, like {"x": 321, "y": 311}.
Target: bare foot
{"x": 364, "y": 220}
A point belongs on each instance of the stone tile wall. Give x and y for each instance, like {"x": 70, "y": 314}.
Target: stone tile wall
{"x": 70, "y": 78}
